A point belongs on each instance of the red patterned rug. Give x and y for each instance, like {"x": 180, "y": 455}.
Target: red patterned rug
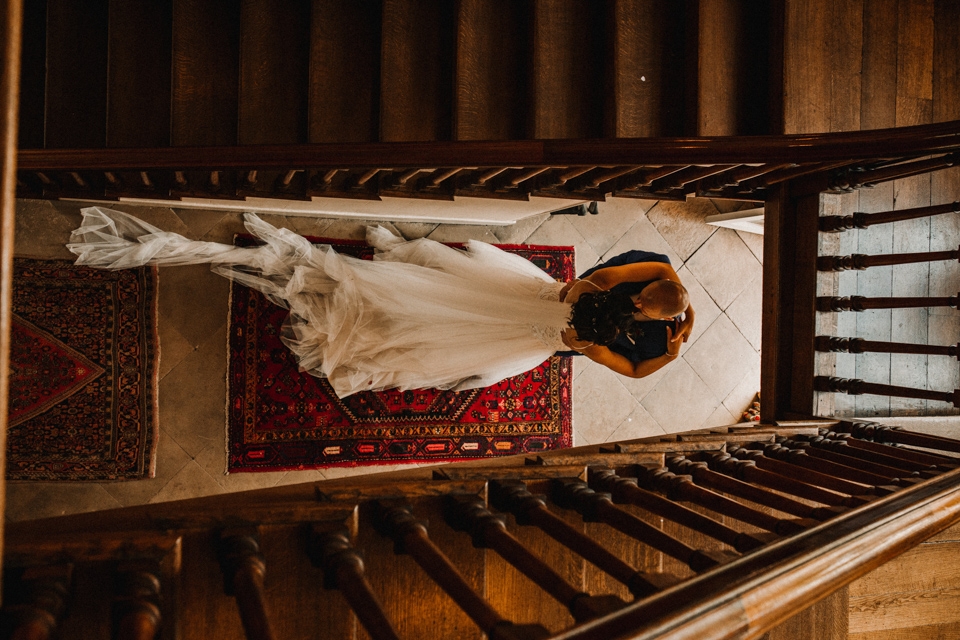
{"x": 83, "y": 386}
{"x": 280, "y": 418}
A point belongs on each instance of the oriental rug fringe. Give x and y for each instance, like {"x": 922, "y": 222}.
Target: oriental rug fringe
{"x": 83, "y": 388}
{"x": 279, "y": 418}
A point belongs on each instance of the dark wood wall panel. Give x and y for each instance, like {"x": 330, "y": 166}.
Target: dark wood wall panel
{"x": 205, "y": 71}
{"x": 274, "y": 49}
{"x": 344, "y": 84}
{"x": 76, "y": 106}
{"x": 138, "y": 104}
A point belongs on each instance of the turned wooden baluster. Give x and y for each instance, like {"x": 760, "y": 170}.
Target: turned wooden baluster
{"x": 513, "y": 497}
{"x": 940, "y": 462}
{"x": 678, "y": 487}
{"x": 343, "y": 569}
{"x": 887, "y": 474}
{"x": 747, "y": 469}
{"x": 898, "y": 435}
{"x": 625, "y": 490}
{"x": 859, "y": 261}
{"x": 244, "y": 569}
{"x": 839, "y": 443}
{"x": 859, "y": 345}
{"x": 855, "y": 387}
{"x": 572, "y": 493}
{"x": 410, "y": 537}
{"x": 797, "y": 455}
{"x": 861, "y": 220}
{"x": 754, "y": 453}
{"x": 47, "y": 595}
{"x": 723, "y": 472}
{"x": 861, "y": 303}
{"x": 489, "y": 531}
{"x": 882, "y": 464}
{"x": 850, "y": 180}
{"x": 136, "y": 605}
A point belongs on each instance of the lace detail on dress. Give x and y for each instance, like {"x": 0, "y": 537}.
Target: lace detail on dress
{"x": 551, "y": 290}
{"x": 549, "y": 336}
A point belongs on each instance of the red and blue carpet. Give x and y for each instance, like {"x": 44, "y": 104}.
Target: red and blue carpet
{"x": 279, "y": 418}
{"x": 83, "y": 385}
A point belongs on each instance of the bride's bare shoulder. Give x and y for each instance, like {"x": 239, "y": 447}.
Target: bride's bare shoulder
{"x": 579, "y": 288}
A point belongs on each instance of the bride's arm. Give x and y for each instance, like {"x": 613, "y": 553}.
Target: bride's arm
{"x": 610, "y": 277}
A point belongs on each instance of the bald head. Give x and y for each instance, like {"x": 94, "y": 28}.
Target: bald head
{"x": 663, "y": 299}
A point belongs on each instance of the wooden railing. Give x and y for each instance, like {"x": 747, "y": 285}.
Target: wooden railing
{"x": 746, "y": 168}
{"x": 756, "y": 526}
{"x": 11, "y": 18}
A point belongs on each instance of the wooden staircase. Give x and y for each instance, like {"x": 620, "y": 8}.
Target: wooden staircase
{"x": 714, "y": 534}
{"x": 126, "y": 74}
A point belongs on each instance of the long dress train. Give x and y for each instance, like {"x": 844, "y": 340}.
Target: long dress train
{"x": 420, "y": 314}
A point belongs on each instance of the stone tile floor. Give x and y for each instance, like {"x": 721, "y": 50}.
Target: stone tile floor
{"x": 715, "y": 379}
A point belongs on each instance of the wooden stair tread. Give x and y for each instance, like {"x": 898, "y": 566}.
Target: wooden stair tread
{"x": 493, "y": 40}
{"x": 565, "y": 74}
{"x": 416, "y": 85}
{"x": 205, "y": 58}
{"x": 76, "y": 94}
{"x": 344, "y": 83}
{"x": 274, "y": 48}
{"x": 138, "y": 109}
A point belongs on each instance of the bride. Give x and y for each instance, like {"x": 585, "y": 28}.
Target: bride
{"x": 420, "y": 314}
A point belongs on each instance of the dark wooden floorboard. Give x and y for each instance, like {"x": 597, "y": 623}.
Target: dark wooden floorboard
{"x": 492, "y": 82}
{"x": 344, "y": 84}
{"x": 76, "y": 105}
{"x": 205, "y": 71}
{"x": 139, "y": 73}
{"x": 417, "y": 70}
{"x": 274, "y": 49}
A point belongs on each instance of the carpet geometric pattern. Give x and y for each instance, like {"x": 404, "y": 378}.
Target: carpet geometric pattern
{"x": 83, "y": 385}
{"x": 281, "y": 419}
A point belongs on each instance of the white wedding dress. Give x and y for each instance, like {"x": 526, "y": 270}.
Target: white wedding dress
{"x": 420, "y": 314}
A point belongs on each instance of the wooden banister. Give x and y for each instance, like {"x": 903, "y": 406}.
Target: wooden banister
{"x": 11, "y": 22}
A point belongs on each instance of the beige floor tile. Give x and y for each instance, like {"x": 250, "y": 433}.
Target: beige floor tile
{"x": 299, "y": 477}
{"x": 740, "y": 397}
{"x": 724, "y": 266}
{"x": 746, "y": 311}
{"x": 171, "y": 459}
{"x": 190, "y": 482}
{"x": 643, "y": 235}
{"x": 616, "y": 216}
{"x": 681, "y": 224}
{"x": 518, "y": 232}
{"x": 705, "y": 309}
{"x": 213, "y": 460}
{"x": 42, "y": 230}
{"x": 462, "y": 233}
{"x": 640, "y": 387}
{"x": 200, "y": 222}
{"x": 332, "y": 473}
{"x": 414, "y": 230}
{"x": 681, "y": 401}
{"x": 754, "y": 242}
{"x": 639, "y": 424}
{"x": 719, "y": 351}
{"x": 173, "y": 347}
{"x": 192, "y": 397}
{"x": 721, "y": 417}
{"x": 602, "y": 404}
{"x": 194, "y": 300}
{"x": 557, "y": 231}
{"x": 58, "y": 499}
